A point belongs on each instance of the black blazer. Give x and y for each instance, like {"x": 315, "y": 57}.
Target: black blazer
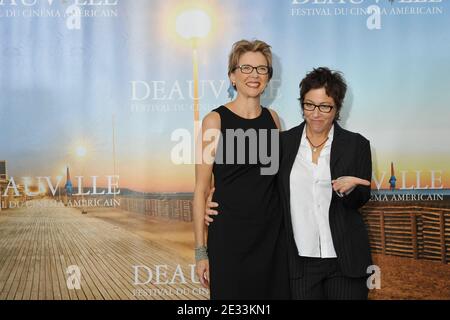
{"x": 350, "y": 156}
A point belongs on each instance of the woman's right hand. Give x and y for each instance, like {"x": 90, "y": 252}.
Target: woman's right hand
{"x": 202, "y": 270}
{"x": 344, "y": 185}
{"x": 208, "y": 208}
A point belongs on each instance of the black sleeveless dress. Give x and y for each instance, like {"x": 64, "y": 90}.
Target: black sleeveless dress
{"x": 246, "y": 242}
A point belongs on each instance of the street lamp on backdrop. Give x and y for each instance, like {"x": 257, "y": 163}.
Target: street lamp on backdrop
{"x": 193, "y": 25}
{"x": 81, "y": 153}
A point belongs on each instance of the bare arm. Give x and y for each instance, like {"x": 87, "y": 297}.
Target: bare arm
{"x": 203, "y": 177}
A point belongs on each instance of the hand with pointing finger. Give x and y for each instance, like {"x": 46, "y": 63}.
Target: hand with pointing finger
{"x": 346, "y": 184}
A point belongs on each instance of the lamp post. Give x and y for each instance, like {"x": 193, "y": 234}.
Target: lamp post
{"x": 81, "y": 153}
{"x": 193, "y": 25}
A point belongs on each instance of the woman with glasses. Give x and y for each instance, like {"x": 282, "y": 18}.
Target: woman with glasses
{"x": 325, "y": 175}
{"x": 246, "y": 252}
{"x": 324, "y": 178}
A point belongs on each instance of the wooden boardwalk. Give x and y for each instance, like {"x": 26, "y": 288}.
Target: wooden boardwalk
{"x": 37, "y": 245}
{"x": 411, "y": 231}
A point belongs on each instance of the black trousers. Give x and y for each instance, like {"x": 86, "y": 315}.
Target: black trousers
{"x": 322, "y": 280}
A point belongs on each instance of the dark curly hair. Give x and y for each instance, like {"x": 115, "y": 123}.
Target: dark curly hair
{"x": 332, "y": 81}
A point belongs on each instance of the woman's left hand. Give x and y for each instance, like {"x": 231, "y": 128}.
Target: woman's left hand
{"x": 345, "y": 184}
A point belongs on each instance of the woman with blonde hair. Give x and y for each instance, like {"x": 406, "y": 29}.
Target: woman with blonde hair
{"x": 245, "y": 254}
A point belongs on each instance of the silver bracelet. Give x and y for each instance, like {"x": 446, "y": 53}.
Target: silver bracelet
{"x": 201, "y": 253}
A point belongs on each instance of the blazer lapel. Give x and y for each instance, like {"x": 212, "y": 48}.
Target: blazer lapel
{"x": 338, "y": 147}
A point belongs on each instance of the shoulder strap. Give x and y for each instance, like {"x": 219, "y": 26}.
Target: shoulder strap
{"x": 268, "y": 114}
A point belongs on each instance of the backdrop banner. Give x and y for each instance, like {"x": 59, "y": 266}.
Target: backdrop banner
{"x": 100, "y": 101}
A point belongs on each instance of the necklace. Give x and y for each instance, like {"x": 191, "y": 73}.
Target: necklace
{"x": 318, "y": 146}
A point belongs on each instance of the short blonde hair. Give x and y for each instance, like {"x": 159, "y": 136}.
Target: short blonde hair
{"x": 243, "y": 46}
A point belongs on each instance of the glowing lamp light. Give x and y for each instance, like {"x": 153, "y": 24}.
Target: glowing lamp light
{"x": 193, "y": 24}
{"x": 81, "y": 151}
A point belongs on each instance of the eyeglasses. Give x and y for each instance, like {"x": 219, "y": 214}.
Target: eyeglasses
{"x": 322, "y": 107}
{"x": 247, "y": 69}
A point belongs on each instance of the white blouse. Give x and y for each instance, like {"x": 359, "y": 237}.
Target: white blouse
{"x": 311, "y": 192}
